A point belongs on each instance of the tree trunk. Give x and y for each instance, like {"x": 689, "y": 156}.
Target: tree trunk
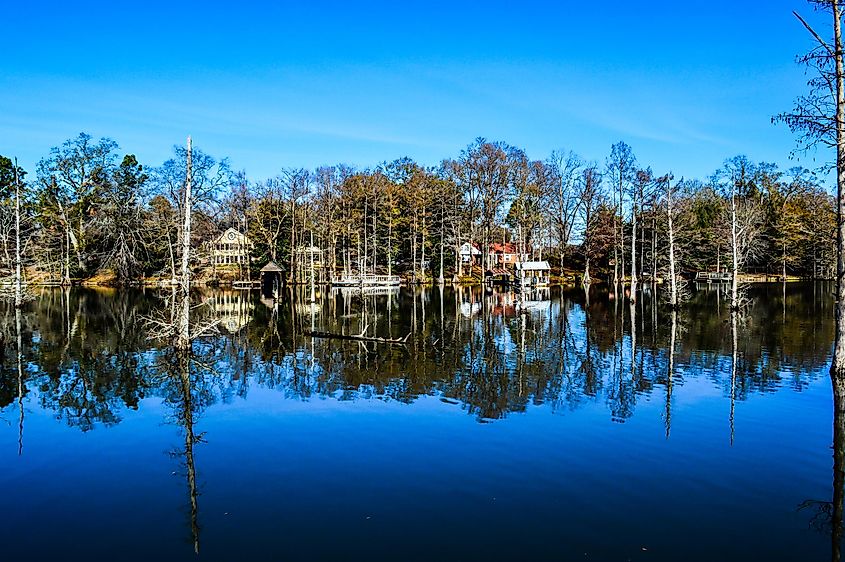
{"x": 183, "y": 340}
{"x": 18, "y": 290}
{"x": 414, "y": 249}
{"x": 621, "y": 233}
{"x": 422, "y": 248}
{"x": 8, "y": 257}
{"x": 615, "y": 257}
{"x": 838, "y": 366}
{"x": 390, "y": 238}
{"x": 634, "y": 253}
{"x": 735, "y": 252}
{"x": 440, "y": 278}
{"x": 653, "y": 248}
{"x": 374, "y": 245}
{"x": 673, "y": 295}
{"x": 172, "y": 256}
{"x": 293, "y": 268}
{"x": 586, "y": 280}
{"x": 486, "y": 252}
{"x": 66, "y": 280}
{"x": 642, "y": 245}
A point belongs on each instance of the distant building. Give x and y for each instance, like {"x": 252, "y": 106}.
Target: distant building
{"x": 469, "y": 253}
{"x": 506, "y": 255}
{"x": 271, "y": 280}
{"x": 231, "y": 247}
{"x": 537, "y": 273}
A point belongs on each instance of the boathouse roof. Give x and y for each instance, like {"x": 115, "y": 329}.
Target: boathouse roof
{"x": 271, "y": 267}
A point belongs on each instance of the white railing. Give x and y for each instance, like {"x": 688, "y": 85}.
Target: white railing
{"x": 713, "y": 276}
{"x": 359, "y": 280}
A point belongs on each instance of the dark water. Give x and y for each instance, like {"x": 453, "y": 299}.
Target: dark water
{"x": 570, "y": 432}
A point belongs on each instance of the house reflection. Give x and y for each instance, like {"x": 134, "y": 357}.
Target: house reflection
{"x": 233, "y": 309}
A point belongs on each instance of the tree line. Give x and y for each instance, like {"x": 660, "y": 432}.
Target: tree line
{"x": 87, "y": 210}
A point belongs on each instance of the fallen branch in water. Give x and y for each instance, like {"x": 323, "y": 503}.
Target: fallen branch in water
{"x": 359, "y": 337}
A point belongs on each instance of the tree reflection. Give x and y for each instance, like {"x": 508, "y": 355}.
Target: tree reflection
{"x": 181, "y": 394}
{"x": 89, "y": 355}
{"x": 826, "y": 516}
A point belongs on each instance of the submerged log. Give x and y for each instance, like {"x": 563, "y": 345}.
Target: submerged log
{"x": 358, "y": 337}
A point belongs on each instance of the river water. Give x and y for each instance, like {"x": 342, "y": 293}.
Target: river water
{"x": 556, "y": 426}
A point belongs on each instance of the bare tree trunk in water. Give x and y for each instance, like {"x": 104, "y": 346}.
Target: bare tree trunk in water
{"x": 440, "y": 278}
{"x": 673, "y": 280}
{"x": 734, "y": 251}
{"x": 653, "y": 248}
{"x": 634, "y": 252}
{"x": 622, "y": 234}
{"x": 838, "y": 366}
{"x": 422, "y": 248}
{"x": 66, "y": 278}
{"x": 587, "y": 280}
{"x": 615, "y": 258}
{"x": 183, "y": 338}
{"x": 18, "y": 292}
{"x": 294, "y": 265}
{"x": 586, "y": 298}
{"x": 172, "y": 257}
{"x": 642, "y": 244}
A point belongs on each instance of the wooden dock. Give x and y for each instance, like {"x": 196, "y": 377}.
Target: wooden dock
{"x": 246, "y": 284}
{"x": 713, "y": 277}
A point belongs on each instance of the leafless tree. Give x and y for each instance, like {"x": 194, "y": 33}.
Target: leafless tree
{"x": 745, "y": 217}
{"x": 621, "y": 167}
{"x": 590, "y": 199}
{"x": 563, "y": 196}
{"x": 820, "y": 116}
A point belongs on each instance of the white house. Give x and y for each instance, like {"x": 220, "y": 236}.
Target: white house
{"x": 231, "y": 247}
{"x": 469, "y": 253}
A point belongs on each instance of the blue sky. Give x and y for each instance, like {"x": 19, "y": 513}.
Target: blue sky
{"x": 274, "y": 85}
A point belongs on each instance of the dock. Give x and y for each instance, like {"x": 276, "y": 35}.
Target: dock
{"x": 713, "y": 277}
{"x": 246, "y": 284}
{"x": 365, "y": 280}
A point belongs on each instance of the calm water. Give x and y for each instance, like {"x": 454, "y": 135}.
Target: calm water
{"x": 570, "y": 432}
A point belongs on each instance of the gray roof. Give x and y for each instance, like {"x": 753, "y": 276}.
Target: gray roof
{"x": 271, "y": 267}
